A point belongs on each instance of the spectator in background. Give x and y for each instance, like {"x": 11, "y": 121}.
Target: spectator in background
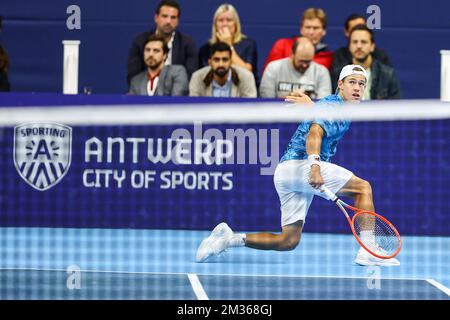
{"x": 382, "y": 83}
{"x": 182, "y": 48}
{"x": 226, "y": 27}
{"x": 296, "y": 72}
{"x": 159, "y": 79}
{"x": 220, "y": 79}
{"x": 343, "y": 57}
{"x": 4, "y": 64}
{"x": 313, "y": 26}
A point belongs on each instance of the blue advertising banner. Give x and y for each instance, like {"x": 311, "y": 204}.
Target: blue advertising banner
{"x": 194, "y": 176}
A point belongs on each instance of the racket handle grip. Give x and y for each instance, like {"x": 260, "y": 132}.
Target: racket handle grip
{"x": 330, "y": 195}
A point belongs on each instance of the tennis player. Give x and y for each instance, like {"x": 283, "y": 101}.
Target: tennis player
{"x": 302, "y": 170}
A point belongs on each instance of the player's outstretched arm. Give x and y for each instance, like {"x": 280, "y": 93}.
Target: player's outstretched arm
{"x": 313, "y": 146}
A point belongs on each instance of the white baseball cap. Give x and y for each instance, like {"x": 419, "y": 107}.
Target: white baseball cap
{"x": 350, "y": 69}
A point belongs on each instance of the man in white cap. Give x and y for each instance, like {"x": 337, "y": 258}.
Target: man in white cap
{"x": 302, "y": 171}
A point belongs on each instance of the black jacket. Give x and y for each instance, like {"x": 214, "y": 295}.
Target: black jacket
{"x": 385, "y": 84}
{"x": 4, "y": 83}
{"x": 184, "y": 52}
{"x": 343, "y": 57}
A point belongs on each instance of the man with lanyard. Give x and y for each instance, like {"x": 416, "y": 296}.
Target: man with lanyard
{"x": 159, "y": 79}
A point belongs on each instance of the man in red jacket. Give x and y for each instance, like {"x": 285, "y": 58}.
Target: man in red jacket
{"x": 313, "y": 26}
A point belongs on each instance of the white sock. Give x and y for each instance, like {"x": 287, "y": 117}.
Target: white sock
{"x": 367, "y": 237}
{"x": 237, "y": 240}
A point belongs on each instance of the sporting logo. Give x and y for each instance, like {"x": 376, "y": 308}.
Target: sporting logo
{"x": 42, "y": 153}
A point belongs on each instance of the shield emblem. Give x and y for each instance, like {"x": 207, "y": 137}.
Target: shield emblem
{"x": 42, "y": 153}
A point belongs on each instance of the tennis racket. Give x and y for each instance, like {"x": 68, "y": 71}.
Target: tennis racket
{"x": 373, "y": 232}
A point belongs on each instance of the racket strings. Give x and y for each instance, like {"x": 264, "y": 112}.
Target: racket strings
{"x": 376, "y": 234}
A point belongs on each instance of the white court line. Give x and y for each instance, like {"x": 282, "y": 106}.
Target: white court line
{"x": 197, "y": 286}
{"x": 210, "y": 274}
{"x": 200, "y": 292}
{"x": 439, "y": 286}
{"x": 94, "y": 271}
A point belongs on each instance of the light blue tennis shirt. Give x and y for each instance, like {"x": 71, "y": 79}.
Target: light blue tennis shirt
{"x": 333, "y": 132}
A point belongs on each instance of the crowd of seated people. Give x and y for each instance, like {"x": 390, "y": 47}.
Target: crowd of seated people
{"x": 4, "y": 64}
{"x": 227, "y": 64}
{"x": 164, "y": 61}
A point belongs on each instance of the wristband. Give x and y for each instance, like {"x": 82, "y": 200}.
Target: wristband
{"x": 314, "y": 159}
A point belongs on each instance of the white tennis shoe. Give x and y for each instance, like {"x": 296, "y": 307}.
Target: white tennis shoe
{"x": 217, "y": 242}
{"x": 364, "y": 258}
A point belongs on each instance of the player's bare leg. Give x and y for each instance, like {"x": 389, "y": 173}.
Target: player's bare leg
{"x": 361, "y": 191}
{"x": 288, "y": 239}
{"x": 222, "y": 237}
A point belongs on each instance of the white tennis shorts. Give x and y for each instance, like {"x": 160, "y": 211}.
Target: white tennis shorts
{"x": 291, "y": 180}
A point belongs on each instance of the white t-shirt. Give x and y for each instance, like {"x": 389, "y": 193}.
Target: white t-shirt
{"x": 368, "y": 85}
{"x": 169, "y": 54}
{"x": 152, "y": 85}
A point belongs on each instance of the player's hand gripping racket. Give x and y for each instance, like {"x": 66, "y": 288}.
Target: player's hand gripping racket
{"x": 373, "y": 232}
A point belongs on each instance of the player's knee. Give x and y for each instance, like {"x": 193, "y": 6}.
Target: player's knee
{"x": 290, "y": 243}
{"x": 365, "y": 188}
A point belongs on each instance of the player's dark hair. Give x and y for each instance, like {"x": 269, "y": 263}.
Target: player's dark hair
{"x": 364, "y": 28}
{"x": 155, "y": 37}
{"x": 169, "y": 3}
{"x": 352, "y": 17}
{"x": 219, "y": 46}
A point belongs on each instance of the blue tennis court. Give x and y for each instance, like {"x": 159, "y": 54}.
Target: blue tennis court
{"x": 160, "y": 264}
{"x": 124, "y": 215}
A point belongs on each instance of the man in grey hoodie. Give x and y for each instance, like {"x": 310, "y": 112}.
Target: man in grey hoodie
{"x": 296, "y": 72}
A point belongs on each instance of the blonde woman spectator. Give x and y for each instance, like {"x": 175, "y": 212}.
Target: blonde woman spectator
{"x": 226, "y": 27}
